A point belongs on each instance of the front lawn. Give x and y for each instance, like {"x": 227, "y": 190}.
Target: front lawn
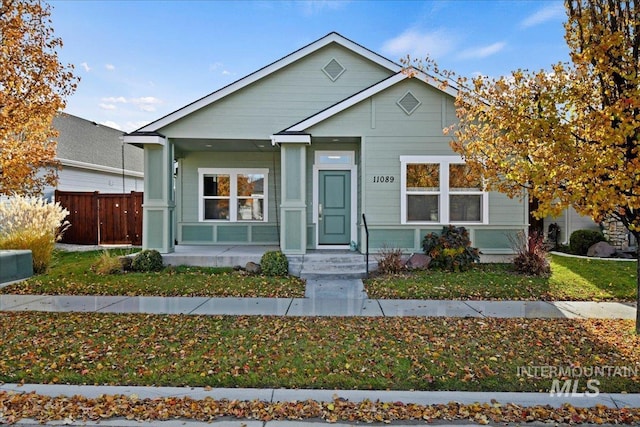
{"x": 71, "y": 274}
{"x": 571, "y": 279}
{"x": 303, "y": 352}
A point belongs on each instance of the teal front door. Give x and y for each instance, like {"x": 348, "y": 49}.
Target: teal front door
{"x": 334, "y": 207}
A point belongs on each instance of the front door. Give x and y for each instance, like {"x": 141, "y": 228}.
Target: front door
{"x": 334, "y": 207}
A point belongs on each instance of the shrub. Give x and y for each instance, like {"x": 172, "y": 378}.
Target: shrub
{"x": 581, "y": 240}
{"x": 531, "y": 254}
{"x": 147, "y": 260}
{"x": 32, "y": 223}
{"x": 451, "y": 250}
{"x": 107, "y": 263}
{"x": 274, "y": 263}
{"x": 390, "y": 261}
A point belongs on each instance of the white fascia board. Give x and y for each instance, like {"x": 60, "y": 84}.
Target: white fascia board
{"x": 99, "y": 168}
{"x": 144, "y": 139}
{"x": 290, "y": 139}
{"x": 269, "y": 69}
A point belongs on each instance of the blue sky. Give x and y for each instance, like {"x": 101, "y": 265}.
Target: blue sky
{"x": 140, "y": 60}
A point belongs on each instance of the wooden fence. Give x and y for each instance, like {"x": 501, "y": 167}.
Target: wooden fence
{"x": 99, "y": 219}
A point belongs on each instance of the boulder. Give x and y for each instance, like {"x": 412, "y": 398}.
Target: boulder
{"x": 601, "y": 250}
{"x": 418, "y": 262}
{"x": 252, "y": 268}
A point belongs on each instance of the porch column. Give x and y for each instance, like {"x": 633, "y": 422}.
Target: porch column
{"x": 293, "y": 206}
{"x": 158, "y": 207}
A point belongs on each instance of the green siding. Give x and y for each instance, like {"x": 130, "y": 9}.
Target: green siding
{"x": 391, "y": 239}
{"x": 492, "y": 239}
{"x": 153, "y": 231}
{"x": 233, "y": 233}
{"x": 281, "y": 99}
{"x": 197, "y": 233}
{"x": 266, "y": 234}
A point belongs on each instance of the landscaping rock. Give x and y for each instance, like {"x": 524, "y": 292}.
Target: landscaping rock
{"x": 418, "y": 262}
{"x": 601, "y": 250}
{"x": 252, "y": 268}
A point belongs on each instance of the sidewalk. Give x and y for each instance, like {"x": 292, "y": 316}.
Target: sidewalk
{"x": 318, "y": 307}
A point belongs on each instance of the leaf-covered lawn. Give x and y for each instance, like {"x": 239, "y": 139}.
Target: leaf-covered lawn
{"x": 71, "y": 274}
{"x": 344, "y": 353}
{"x": 571, "y": 279}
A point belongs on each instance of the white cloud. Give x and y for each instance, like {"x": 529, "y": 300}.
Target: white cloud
{"x": 482, "y": 51}
{"x": 110, "y": 67}
{"x": 111, "y": 124}
{"x": 551, "y": 12}
{"x": 419, "y": 44}
{"x": 85, "y": 66}
{"x": 107, "y": 106}
{"x": 113, "y": 99}
{"x": 146, "y": 103}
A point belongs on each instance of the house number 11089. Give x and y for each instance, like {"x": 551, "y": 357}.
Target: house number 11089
{"x": 382, "y": 178}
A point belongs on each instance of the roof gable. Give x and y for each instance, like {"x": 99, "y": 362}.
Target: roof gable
{"x": 268, "y": 70}
{"x": 367, "y": 93}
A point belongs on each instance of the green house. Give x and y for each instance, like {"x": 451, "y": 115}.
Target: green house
{"x": 295, "y": 153}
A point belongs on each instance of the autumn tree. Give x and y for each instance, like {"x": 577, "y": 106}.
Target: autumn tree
{"x": 567, "y": 136}
{"x": 33, "y": 88}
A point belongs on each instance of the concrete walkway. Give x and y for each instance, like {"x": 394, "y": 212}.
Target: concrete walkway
{"x": 318, "y": 307}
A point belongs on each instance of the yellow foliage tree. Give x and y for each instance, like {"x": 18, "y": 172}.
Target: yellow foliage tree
{"x": 33, "y": 88}
{"x": 567, "y": 136}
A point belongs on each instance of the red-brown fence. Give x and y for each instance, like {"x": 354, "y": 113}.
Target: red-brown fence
{"x": 102, "y": 218}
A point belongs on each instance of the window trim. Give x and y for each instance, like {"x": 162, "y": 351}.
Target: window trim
{"x": 444, "y": 193}
{"x": 233, "y": 193}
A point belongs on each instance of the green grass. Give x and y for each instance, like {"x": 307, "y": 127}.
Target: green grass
{"x": 303, "y": 352}
{"x": 571, "y": 279}
{"x": 71, "y": 273}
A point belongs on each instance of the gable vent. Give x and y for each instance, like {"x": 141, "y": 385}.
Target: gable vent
{"x": 333, "y": 69}
{"x": 408, "y": 103}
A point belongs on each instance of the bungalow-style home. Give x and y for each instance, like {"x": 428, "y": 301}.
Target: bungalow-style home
{"x": 93, "y": 157}
{"x": 297, "y": 152}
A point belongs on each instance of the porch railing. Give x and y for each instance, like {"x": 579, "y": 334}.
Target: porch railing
{"x": 366, "y": 232}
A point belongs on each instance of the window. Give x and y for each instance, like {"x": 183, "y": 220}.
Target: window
{"x": 438, "y": 189}
{"x": 233, "y": 194}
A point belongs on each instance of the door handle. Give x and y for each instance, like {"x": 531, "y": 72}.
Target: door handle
{"x": 320, "y": 212}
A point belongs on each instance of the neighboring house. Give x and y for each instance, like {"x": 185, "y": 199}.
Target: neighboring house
{"x": 94, "y": 158}
{"x": 295, "y": 153}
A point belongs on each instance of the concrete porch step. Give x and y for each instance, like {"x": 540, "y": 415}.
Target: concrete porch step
{"x": 328, "y": 266}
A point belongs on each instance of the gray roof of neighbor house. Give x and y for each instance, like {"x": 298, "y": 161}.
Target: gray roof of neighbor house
{"x": 84, "y": 143}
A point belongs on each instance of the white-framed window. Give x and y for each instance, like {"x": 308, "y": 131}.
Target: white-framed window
{"x": 438, "y": 190}
{"x": 233, "y": 195}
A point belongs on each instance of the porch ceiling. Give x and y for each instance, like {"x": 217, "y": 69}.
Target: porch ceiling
{"x": 246, "y": 145}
